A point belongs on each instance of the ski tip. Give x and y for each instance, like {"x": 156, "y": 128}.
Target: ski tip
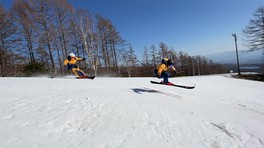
{"x": 190, "y": 87}
{"x": 92, "y": 77}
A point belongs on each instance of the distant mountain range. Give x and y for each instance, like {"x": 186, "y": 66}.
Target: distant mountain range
{"x": 229, "y": 57}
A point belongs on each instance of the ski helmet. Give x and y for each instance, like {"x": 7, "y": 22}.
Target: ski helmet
{"x": 169, "y": 62}
{"x": 72, "y": 55}
{"x": 164, "y": 60}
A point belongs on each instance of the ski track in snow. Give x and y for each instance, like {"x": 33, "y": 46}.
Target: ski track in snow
{"x": 131, "y": 113}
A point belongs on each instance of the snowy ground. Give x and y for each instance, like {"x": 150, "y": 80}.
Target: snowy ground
{"x": 221, "y": 112}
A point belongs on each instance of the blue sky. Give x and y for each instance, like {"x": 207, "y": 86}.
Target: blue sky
{"x": 198, "y": 27}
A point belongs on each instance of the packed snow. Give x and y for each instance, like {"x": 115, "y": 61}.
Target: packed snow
{"x": 220, "y": 112}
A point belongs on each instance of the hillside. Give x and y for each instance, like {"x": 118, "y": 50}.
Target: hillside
{"x": 229, "y": 57}
{"x": 220, "y": 112}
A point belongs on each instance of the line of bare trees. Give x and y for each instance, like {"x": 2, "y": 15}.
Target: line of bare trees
{"x": 185, "y": 64}
{"x": 37, "y": 35}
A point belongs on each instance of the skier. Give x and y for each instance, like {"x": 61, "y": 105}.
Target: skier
{"x": 162, "y": 70}
{"x": 70, "y": 64}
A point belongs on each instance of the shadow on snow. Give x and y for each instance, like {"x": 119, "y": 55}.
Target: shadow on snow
{"x": 147, "y": 90}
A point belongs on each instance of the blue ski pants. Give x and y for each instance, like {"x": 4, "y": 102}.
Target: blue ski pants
{"x": 165, "y": 76}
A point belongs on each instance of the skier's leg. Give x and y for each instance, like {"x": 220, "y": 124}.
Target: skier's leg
{"x": 81, "y": 72}
{"x": 75, "y": 71}
{"x": 165, "y": 76}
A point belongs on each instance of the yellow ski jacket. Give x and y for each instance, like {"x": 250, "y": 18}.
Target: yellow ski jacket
{"x": 71, "y": 63}
{"x": 163, "y": 67}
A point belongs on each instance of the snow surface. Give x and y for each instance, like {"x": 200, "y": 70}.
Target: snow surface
{"x": 221, "y": 112}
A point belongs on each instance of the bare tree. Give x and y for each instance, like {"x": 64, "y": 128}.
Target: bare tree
{"x": 44, "y": 17}
{"x": 56, "y": 46}
{"x": 183, "y": 60}
{"x": 103, "y": 26}
{"x": 254, "y": 32}
{"x": 146, "y": 56}
{"x": 163, "y": 52}
{"x": 63, "y": 11}
{"x": 153, "y": 52}
{"x": 110, "y": 41}
{"x": 6, "y": 31}
{"x": 22, "y": 18}
{"x": 84, "y": 27}
{"x": 115, "y": 41}
{"x": 130, "y": 59}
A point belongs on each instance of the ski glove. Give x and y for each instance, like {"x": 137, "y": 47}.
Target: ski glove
{"x": 83, "y": 59}
{"x": 158, "y": 76}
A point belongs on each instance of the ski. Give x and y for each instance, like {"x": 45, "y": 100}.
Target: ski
{"x": 181, "y": 86}
{"x": 88, "y": 77}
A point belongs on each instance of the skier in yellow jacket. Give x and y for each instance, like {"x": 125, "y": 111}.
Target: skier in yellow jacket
{"x": 70, "y": 63}
{"x": 162, "y": 70}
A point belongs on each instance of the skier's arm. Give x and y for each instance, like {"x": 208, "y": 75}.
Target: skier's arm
{"x": 173, "y": 69}
{"x": 79, "y": 59}
{"x": 66, "y": 62}
{"x": 160, "y": 69}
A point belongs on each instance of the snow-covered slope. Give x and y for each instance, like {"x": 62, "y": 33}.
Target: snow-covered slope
{"x": 220, "y": 112}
